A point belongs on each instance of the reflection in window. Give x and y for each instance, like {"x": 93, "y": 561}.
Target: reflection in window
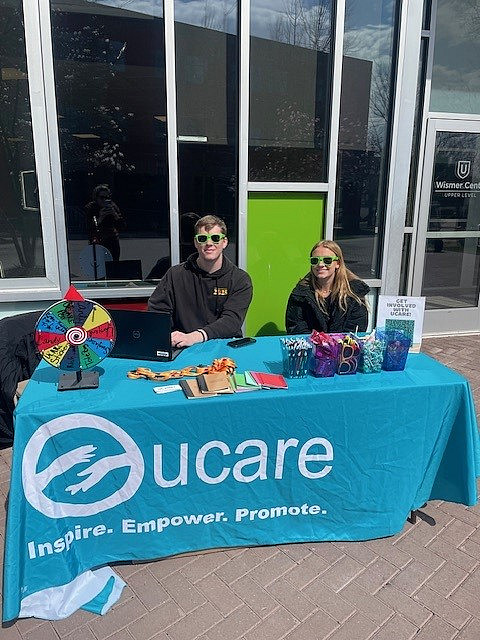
{"x": 417, "y": 130}
{"x": 455, "y": 75}
{"x": 451, "y": 275}
{"x": 206, "y": 47}
{"x": 365, "y": 113}
{"x": 110, "y": 85}
{"x": 21, "y": 245}
{"x": 407, "y": 243}
{"x": 290, "y": 64}
{"x": 455, "y": 204}
{"x": 218, "y": 15}
{"x": 427, "y": 15}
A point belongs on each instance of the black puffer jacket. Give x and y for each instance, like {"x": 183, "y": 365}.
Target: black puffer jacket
{"x": 18, "y": 359}
{"x": 304, "y": 314}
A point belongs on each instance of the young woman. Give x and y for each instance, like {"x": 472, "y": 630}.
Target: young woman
{"x": 330, "y": 297}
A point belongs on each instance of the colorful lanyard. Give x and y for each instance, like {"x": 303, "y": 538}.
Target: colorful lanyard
{"x": 218, "y": 365}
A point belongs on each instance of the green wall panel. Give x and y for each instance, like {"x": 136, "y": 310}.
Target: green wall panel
{"x": 281, "y": 230}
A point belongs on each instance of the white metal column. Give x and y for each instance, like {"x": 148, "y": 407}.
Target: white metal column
{"x": 421, "y": 152}
{"x": 408, "y": 57}
{"x": 53, "y": 284}
{"x": 244, "y": 96}
{"x": 53, "y": 142}
{"x": 172, "y": 144}
{"x": 334, "y": 118}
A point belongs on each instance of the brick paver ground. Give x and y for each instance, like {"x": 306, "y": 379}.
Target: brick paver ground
{"x": 423, "y": 583}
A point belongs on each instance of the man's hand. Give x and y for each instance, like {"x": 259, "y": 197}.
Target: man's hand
{"x": 180, "y": 339}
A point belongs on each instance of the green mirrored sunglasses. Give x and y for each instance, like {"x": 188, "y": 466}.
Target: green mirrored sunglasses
{"x": 326, "y": 260}
{"x": 203, "y": 238}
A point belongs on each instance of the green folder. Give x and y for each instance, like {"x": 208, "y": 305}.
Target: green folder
{"x": 244, "y": 382}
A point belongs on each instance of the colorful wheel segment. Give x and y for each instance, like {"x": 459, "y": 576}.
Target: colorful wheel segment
{"x": 74, "y": 335}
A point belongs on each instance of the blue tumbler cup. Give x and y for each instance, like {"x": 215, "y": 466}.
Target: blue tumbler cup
{"x": 396, "y": 350}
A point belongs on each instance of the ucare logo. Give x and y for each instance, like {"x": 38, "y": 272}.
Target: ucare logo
{"x": 48, "y": 469}
{"x": 462, "y": 169}
{"x": 35, "y": 482}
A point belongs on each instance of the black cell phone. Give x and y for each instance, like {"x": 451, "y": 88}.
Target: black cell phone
{"x": 241, "y": 342}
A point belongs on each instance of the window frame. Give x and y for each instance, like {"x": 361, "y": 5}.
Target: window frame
{"x": 46, "y": 143}
{"x": 49, "y": 171}
{"x": 50, "y": 286}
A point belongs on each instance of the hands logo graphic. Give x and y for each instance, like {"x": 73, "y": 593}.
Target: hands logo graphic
{"x": 34, "y": 484}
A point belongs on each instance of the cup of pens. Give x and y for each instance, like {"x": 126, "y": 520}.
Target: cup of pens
{"x": 296, "y": 355}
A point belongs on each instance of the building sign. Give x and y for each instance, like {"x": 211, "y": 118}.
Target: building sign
{"x": 462, "y": 187}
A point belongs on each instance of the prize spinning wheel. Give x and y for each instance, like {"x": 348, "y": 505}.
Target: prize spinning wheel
{"x": 75, "y": 335}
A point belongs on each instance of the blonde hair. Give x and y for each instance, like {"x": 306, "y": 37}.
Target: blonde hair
{"x": 341, "y": 289}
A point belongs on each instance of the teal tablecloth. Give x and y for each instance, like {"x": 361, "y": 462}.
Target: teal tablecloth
{"x": 343, "y": 458}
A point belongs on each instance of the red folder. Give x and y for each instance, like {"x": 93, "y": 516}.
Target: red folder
{"x": 269, "y": 380}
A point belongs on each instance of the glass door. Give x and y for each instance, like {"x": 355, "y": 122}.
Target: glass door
{"x": 447, "y": 260}
{"x": 206, "y": 54}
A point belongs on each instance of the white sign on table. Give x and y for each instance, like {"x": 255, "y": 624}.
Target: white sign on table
{"x": 403, "y": 313}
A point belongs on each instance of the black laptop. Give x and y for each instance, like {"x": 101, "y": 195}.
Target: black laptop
{"x": 143, "y": 335}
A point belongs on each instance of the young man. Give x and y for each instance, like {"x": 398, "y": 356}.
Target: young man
{"x": 104, "y": 221}
{"x": 208, "y": 296}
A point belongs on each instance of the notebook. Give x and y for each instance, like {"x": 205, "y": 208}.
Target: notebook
{"x": 241, "y": 384}
{"x": 191, "y": 389}
{"x": 269, "y": 380}
{"x": 214, "y": 383}
{"x": 143, "y": 335}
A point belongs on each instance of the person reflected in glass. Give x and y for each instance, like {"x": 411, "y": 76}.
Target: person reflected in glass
{"x": 104, "y": 220}
{"x": 187, "y": 246}
{"x": 330, "y": 297}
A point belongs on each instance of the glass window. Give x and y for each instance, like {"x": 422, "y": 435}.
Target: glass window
{"x": 109, "y": 63}
{"x": 417, "y": 130}
{"x": 363, "y": 148}
{"x": 427, "y": 15}
{"x": 206, "y": 43}
{"x": 451, "y": 275}
{"x": 21, "y": 244}
{"x": 289, "y": 109}
{"x": 456, "y": 75}
{"x": 407, "y": 243}
{"x": 455, "y": 199}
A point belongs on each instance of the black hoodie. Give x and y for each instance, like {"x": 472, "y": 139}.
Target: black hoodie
{"x": 215, "y": 302}
{"x": 304, "y": 314}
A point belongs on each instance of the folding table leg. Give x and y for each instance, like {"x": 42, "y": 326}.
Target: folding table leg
{"x": 412, "y": 518}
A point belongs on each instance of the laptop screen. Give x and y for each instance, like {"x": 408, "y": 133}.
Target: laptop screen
{"x": 142, "y": 335}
